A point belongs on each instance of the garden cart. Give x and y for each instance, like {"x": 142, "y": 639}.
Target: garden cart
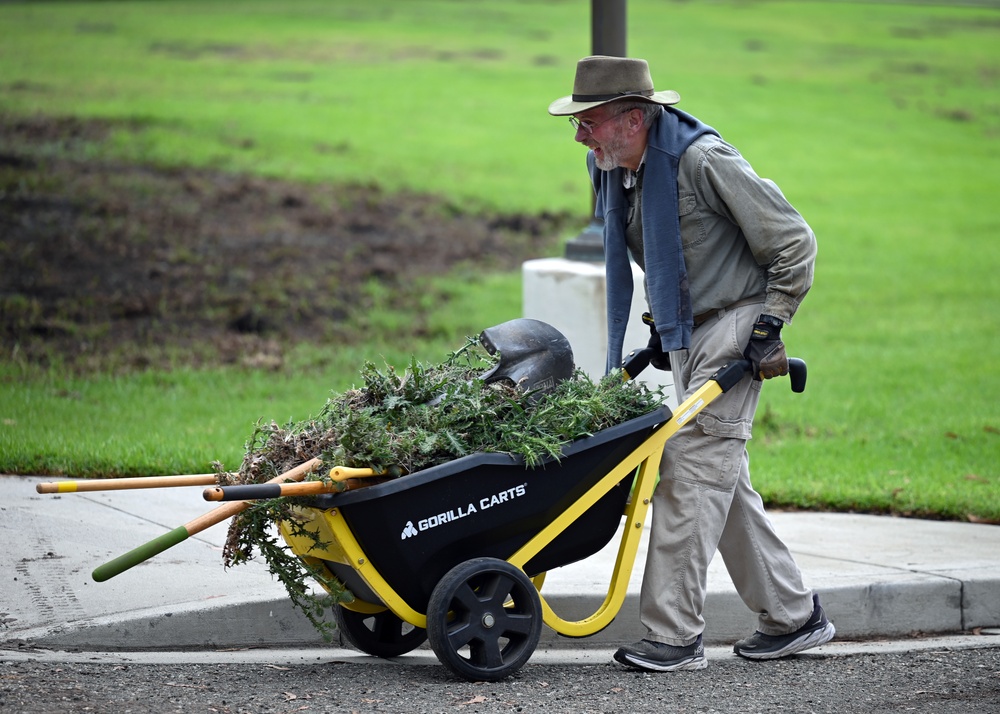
{"x": 456, "y": 554}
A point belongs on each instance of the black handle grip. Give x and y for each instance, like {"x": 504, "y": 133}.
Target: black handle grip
{"x": 797, "y": 374}
{"x": 246, "y": 492}
{"x": 732, "y": 373}
{"x": 636, "y": 361}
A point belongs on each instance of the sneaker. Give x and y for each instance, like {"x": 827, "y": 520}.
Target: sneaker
{"x": 817, "y": 631}
{"x": 659, "y": 657}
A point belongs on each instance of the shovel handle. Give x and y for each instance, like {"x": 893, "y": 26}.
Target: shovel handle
{"x": 124, "y": 484}
{"x": 177, "y": 535}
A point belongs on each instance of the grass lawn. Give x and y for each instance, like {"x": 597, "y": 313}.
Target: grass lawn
{"x": 880, "y": 121}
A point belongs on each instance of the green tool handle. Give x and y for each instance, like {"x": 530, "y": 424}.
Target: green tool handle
{"x": 138, "y": 555}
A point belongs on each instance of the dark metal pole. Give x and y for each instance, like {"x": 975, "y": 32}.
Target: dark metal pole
{"x": 607, "y": 37}
{"x": 607, "y": 27}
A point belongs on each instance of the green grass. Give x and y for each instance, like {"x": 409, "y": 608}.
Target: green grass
{"x": 315, "y": 90}
{"x": 881, "y": 122}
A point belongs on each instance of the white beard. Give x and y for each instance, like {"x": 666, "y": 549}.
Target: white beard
{"x": 611, "y": 150}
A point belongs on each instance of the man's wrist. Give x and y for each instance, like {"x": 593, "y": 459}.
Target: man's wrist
{"x": 771, "y": 320}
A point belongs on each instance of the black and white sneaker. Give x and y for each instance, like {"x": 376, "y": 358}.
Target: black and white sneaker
{"x": 659, "y": 657}
{"x": 817, "y": 631}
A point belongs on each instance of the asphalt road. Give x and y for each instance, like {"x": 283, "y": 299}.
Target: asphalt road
{"x": 948, "y": 675}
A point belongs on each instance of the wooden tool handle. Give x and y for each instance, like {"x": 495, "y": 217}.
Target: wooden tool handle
{"x": 257, "y": 491}
{"x": 182, "y": 533}
{"x": 122, "y": 484}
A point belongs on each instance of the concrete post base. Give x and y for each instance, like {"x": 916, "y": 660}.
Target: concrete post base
{"x": 570, "y": 296}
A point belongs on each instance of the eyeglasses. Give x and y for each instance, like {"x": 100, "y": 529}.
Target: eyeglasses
{"x": 590, "y": 127}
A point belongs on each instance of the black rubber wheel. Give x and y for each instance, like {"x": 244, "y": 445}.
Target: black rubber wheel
{"x": 484, "y": 619}
{"x": 381, "y": 634}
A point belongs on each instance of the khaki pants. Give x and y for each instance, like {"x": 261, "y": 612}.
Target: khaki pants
{"x": 705, "y": 502}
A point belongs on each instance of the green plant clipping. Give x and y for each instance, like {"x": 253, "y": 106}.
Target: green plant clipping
{"x": 402, "y": 423}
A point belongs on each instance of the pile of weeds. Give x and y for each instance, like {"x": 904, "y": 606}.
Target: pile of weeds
{"x": 397, "y": 424}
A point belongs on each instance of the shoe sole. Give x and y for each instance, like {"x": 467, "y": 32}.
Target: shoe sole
{"x": 683, "y": 666}
{"x": 813, "y": 639}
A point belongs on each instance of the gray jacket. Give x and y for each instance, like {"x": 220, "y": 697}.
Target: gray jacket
{"x": 741, "y": 238}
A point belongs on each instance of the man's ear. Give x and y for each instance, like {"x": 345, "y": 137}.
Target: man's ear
{"x": 634, "y": 121}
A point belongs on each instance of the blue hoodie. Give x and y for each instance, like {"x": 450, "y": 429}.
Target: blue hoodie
{"x": 666, "y": 275}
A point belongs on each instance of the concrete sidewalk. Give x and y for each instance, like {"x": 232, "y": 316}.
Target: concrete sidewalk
{"x": 877, "y": 577}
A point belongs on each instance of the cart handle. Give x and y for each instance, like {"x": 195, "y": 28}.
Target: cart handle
{"x": 727, "y": 377}
{"x": 732, "y": 373}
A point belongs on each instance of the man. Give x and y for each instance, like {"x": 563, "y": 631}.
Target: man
{"x": 726, "y": 262}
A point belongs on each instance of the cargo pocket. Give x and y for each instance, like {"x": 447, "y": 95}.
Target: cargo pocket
{"x": 725, "y": 428}
{"x": 709, "y": 455}
{"x": 723, "y": 443}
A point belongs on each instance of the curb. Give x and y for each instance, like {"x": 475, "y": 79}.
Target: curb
{"x": 882, "y": 611}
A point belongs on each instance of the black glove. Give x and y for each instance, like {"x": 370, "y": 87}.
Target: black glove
{"x": 766, "y": 351}
{"x": 658, "y": 358}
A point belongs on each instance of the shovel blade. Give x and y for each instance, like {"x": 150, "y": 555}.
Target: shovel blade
{"x": 534, "y": 355}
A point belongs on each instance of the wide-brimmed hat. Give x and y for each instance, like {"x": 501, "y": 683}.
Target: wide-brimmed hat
{"x": 601, "y": 79}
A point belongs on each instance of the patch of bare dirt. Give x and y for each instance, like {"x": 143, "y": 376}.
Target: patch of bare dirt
{"x": 100, "y": 259}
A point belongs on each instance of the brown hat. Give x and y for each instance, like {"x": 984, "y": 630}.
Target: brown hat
{"x": 600, "y": 80}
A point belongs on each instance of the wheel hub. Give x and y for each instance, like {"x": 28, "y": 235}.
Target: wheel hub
{"x": 488, "y": 620}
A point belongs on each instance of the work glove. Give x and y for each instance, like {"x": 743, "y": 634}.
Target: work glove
{"x": 766, "y": 351}
{"x": 658, "y": 358}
